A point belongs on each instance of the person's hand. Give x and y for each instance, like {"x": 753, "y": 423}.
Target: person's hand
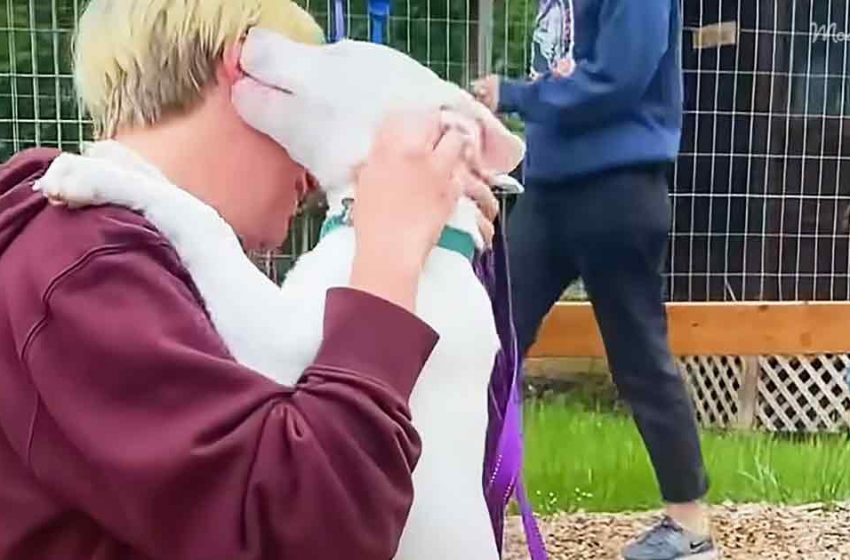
{"x": 477, "y": 185}
{"x": 486, "y": 90}
{"x": 565, "y": 67}
{"x": 406, "y": 192}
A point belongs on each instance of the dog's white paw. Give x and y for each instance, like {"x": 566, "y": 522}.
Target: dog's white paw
{"x": 72, "y": 180}
{"x": 79, "y": 181}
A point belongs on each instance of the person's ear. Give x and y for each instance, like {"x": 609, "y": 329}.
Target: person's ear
{"x": 231, "y": 67}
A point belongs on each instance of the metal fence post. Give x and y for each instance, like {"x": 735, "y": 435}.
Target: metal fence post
{"x": 485, "y": 37}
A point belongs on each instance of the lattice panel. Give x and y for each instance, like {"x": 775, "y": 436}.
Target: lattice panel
{"x": 804, "y": 393}
{"x": 714, "y": 383}
{"x": 773, "y": 393}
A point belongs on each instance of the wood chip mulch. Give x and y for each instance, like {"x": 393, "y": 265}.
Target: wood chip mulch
{"x": 745, "y": 532}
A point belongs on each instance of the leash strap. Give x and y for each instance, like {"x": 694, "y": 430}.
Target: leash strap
{"x": 504, "y": 452}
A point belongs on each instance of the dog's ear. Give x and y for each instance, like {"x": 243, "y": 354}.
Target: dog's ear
{"x": 502, "y": 150}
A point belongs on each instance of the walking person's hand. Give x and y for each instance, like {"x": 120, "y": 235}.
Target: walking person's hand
{"x": 486, "y": 90}
{"x": 406, "y": 192}
{"x": 564, "y": 67}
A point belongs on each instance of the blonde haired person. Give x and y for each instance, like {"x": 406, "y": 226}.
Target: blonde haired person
{"x": 127, "y": 431}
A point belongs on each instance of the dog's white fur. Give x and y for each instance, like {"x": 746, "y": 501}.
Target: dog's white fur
{"x": 327, "y": 124}
{"x": 340, "y": 96}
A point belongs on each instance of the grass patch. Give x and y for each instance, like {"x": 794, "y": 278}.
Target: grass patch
{"x": 581, "y": 458}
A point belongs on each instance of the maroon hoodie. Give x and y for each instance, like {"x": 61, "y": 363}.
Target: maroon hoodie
{"x": 129, "y": 432}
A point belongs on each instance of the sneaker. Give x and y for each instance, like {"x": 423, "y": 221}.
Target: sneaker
{"x": 670, "y": 541}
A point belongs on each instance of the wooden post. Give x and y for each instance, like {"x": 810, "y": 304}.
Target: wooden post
{"x": 748, "y": 393}
{"x": 708, "y": 329}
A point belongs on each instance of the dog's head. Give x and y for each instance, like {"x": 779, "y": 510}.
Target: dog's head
{"x": 324, "y": 104}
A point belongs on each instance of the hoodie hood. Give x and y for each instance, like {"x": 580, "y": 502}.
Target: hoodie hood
{"x": 18, "y": 203}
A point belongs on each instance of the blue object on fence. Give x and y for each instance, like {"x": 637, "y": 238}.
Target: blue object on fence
{"x": 503, "y": 453}
{"x": 339, "y": 21}
{"x": 379, "y": 16}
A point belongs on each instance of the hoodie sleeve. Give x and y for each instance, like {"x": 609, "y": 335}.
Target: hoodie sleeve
{"x": 146, "y": 424}
{"x": 633, "y": 37}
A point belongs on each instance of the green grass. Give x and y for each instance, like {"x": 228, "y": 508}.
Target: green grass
{"x": 578, "y": 458}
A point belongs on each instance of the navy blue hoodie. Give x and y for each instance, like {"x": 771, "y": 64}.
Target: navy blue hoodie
{"x": 621, "y": 106}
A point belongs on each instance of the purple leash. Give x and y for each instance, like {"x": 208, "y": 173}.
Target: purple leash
{"x": 504, "y": 453}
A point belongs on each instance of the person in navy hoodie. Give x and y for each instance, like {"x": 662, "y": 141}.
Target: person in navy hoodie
{"x": 603, "y": 116}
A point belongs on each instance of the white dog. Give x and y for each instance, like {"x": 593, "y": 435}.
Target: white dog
{"x": 325, "y": 109}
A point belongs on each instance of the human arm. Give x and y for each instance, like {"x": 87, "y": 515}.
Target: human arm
{"x": 146, "y": 424}
{"x": 633, "y": 37}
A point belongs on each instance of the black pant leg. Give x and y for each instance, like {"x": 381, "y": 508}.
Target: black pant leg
{"x": 540, "y": 267}
{"x": 619, "y": 240}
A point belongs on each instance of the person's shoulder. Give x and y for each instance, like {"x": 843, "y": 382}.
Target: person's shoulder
{"x": 66, "y": 235}
{"x": 58, "y": 241}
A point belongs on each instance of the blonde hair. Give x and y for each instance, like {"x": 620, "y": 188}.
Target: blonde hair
{"x": 136, "y": 61}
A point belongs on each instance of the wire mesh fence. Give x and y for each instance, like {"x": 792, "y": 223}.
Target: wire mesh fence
{"x": 764, "y": 174}
{"x": 763, "y": 179}
{"x": 37, "y": 102}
